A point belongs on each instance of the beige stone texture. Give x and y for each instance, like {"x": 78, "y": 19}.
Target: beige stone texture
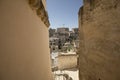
{"x": 99, "y": 29}
{"x": 24, "y": 44}
{"x": 67, "y": 62}
{"x": 44, "y": 3}
{"x": 39, "y": 7}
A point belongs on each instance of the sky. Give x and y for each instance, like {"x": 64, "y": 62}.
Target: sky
{"x": 63, "y": 13}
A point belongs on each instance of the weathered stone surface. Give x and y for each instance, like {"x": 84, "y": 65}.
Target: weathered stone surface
{"x": 99, "y": 53}
{"x": 39, "y": 7}
{"x": 67, "y": 62}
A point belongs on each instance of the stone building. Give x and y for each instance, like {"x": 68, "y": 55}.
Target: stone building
{"x": 53, "y": 43}
{"x": 62, "y": 29}
{"x": 52, "y": 32}
{"x": 75, "y": 30}
{"x": 24, "y": 41}
{"x": 62, "y": 34}
{"x": 99, "y": 52}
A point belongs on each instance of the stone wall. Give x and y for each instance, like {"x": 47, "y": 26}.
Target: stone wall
{"x": 99, "y": 29}
{"x": 24, "y": 42}
{"x": 67, "y": 62}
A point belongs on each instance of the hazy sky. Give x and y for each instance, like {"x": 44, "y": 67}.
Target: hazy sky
{"x": 63, "y": 12}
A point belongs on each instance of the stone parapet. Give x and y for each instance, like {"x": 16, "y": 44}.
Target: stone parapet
{"x": 38, "y": 6}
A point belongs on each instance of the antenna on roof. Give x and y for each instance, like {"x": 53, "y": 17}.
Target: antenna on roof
{"x": 63, "y": 25}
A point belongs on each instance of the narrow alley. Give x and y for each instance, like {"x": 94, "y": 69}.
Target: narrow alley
{"x": 59, "y": 39}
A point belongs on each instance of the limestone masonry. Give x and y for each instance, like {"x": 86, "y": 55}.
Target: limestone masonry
{"x": 99, "y": 52}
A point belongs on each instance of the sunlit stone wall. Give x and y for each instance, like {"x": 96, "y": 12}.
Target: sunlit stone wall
{"x": 99, "y": 52}
{"x": 67, "y": 62}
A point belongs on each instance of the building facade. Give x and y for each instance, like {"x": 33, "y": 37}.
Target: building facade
{"x": 62, "y": 29}
{"x": 51, "y": 32}
{"x": 61, "y": 36}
